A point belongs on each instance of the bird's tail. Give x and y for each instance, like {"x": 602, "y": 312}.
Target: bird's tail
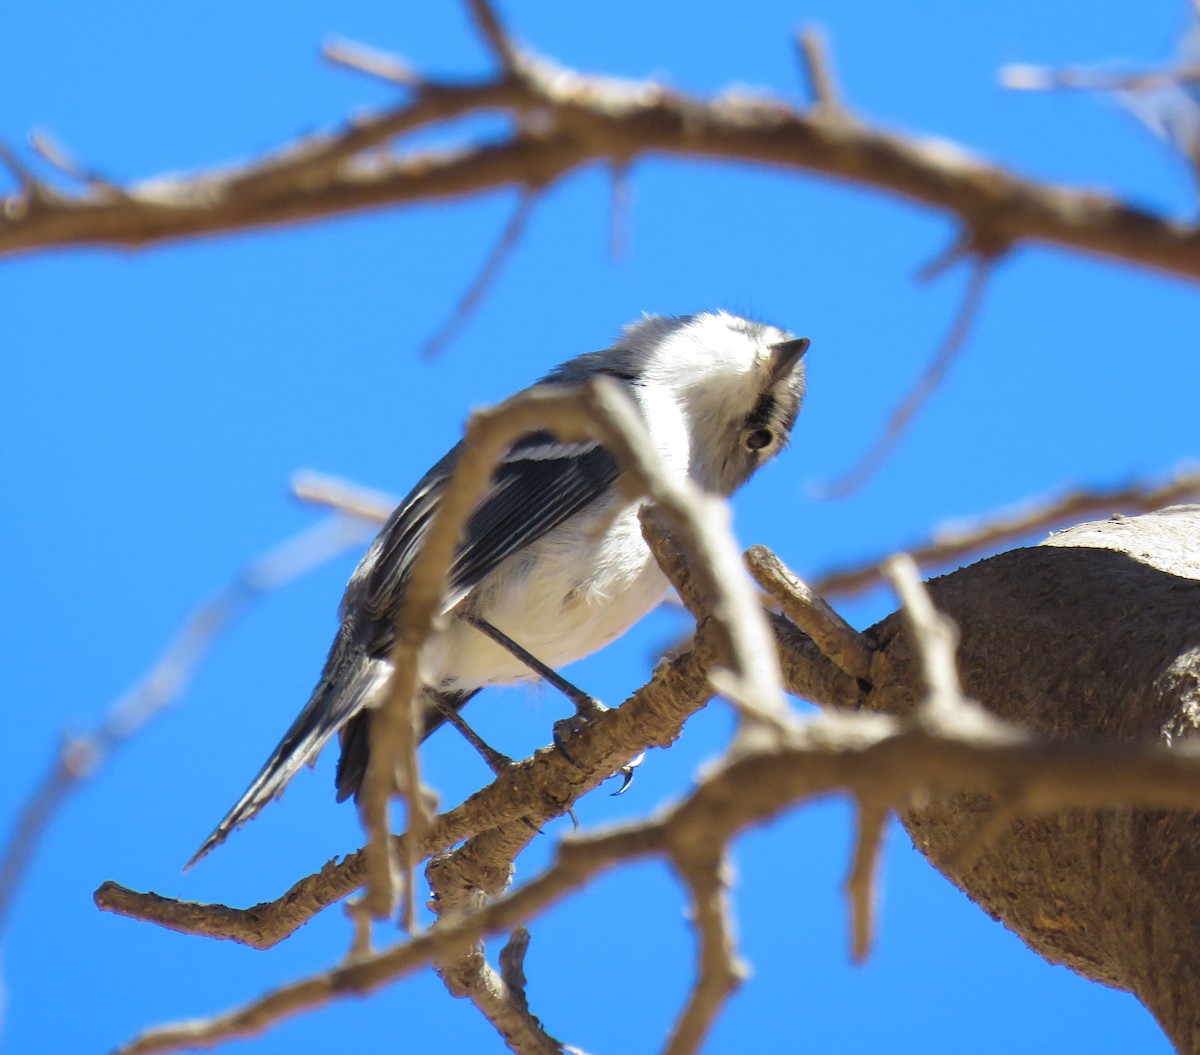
{"x": 432, "y": 707}
{"x": 350, "y": 681}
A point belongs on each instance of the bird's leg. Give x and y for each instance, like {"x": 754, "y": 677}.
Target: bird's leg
{"x": 496, "y": 761}
{"x": 586, "y": 707}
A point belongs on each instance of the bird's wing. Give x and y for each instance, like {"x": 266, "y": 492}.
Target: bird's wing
{"x": 539, "y": 484}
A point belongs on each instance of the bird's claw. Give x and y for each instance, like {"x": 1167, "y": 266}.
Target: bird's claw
{"x": 626, "y": 772}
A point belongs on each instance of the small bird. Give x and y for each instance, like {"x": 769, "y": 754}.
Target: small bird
{"x": 553, "y": 554}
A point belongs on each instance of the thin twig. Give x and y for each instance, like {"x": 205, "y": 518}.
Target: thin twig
{"x": 618, "y": 223}
{"x": 719, "y": 971}
{"x": 492, "y": 30}
{"x": 945, "y": 710}
{"x": 818, "y": 68}
{"x": 860, "y": 883}
{"x": 935, "y": 634}
{"x": 55, "y": 154}
{"x": 1021, "y": 77}
{"x": 162, "y": 685}
{"x": 488, "y": 273}
{"x": 335, "y": 493}
{"x": 374, "y": 63}
{"x": 512, "y": 964}
{"x": 926, "y": 385}
{"x": 836, "y": 638}
{"x": 26, "y": 179}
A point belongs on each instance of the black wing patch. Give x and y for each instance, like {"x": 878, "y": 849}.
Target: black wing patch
{"x": 540, "y": 483}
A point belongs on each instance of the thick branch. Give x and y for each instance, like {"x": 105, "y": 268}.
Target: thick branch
{"x": 590, "y": 120}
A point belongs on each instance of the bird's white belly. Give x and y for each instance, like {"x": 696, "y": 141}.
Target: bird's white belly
{"x": 562, "y": 598}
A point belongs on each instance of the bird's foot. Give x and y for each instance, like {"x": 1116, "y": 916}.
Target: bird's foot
{"x": 626, "y": 773}
{"x": 587, "y": 710}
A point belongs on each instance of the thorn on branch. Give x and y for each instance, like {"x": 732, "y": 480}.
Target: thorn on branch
{"x": 488, "y": 273}
{"x": 374, "y": 63}
{"x": 926, "y": 385}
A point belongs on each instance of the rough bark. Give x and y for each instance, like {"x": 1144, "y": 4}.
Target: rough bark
{"x": 1095, "y": 633}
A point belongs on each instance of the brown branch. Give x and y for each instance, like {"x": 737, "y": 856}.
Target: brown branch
{"x": 860, "y": 883}
{"x": 594, "y": 120}
{"x": 160, "y": 687}
{"x": 926, "y": 385}
{"x": 536, "y": 789}
{"x": 956, "y": 543}
{"x": 836, "y": 638}
{"x": 499, "y": 995}
{"x": 818, "y": 69}
{"x": 861, "y": 754}
{"x": 706, "y": 871}
{"x": 487, "y": 21}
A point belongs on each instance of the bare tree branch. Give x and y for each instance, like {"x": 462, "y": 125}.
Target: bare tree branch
{"x": 955, "y": 543}
{"x": 488, "y": 273}
{"x": 372, "y": 62}
{"x": 926, "y": 385}
{"x": 487, "y": 21}
{"x": 586, "y": 120}
{"x": 860, "y": 883}
{"x": 335, "y": 493}
{"x": 836, "y": 638}
{"x": 535, "y": 790}
{"x": 861, "y": 754}
{"x": 161, "y": 686}
{"x": 818, "y": 69}
{"x": 719, "y": 971}
{"x": 1037, "y": 78}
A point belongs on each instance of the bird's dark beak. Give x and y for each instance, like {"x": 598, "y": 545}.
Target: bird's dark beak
{"x": 785, "y": 356}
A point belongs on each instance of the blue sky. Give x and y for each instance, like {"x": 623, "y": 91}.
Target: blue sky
{"x": 155, "y": 404}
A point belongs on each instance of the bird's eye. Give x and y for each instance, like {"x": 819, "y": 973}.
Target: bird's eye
{"x": 758, "y": 439}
